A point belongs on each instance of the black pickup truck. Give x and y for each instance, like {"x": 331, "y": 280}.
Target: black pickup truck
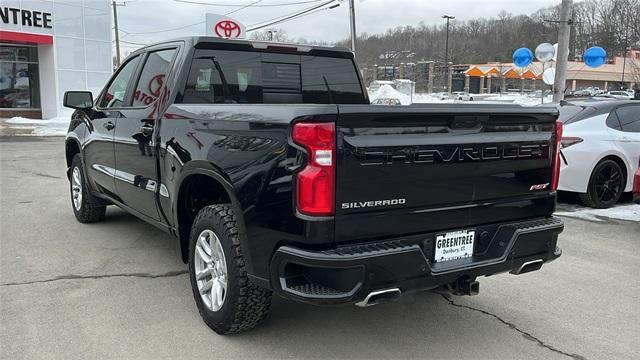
{"x": 274, "y": 173}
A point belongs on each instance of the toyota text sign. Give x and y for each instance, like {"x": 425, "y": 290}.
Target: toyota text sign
{"x": 224, "y": 27}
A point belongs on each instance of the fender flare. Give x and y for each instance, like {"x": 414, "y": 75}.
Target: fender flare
{"x": 209, "y": 170}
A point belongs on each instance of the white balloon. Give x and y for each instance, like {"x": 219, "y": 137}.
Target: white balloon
{"x": 549, "y": 76}
{"x": 545, "y": 52}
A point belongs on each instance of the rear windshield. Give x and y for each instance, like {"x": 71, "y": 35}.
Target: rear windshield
{"x": 240, "y": 77}
{"x": 572, "y": 113}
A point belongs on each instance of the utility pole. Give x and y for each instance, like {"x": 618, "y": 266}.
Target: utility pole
{"x": 626, "y": 45}
{"x": 115, "y": 23}
{"x": 446, "y": 47}
{"x": 352, "y": 12}
{"x": 562, "y": 56}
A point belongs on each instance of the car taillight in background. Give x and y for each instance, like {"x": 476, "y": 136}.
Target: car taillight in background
{"x": 569, "y": 140}
{"x": 316, "y": 182}
{"x": 555, "y": 163}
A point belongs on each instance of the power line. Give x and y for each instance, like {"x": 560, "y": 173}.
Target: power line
{"x": 241, "y": 5}
{"x": 289, "y": 16}
{"x": 242, "y": 8}
{"x": 161, "y": 31}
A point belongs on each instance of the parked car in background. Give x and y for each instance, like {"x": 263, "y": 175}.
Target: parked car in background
{"x": 461, "y": 95}
{"x": 617, "y": 94}
{"x": 442, "y": 95}
{"x": 386, "y": 101}
{"x": 600, "y": 147}
{"x": 636, "y": 186}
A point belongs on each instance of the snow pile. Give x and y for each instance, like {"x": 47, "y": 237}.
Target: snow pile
{"x": 628, "y": 212}
{"x": 52, "y": 127}
{"x": 424, "y": 98}
{"x": 388, "y": 92}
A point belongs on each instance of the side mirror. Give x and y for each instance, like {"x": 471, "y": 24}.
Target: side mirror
{"x": 78, "y": 100}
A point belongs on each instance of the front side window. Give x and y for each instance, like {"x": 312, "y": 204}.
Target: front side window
{"x": 115, "y": 94}
{"x": 152, "y": 78}
{"x": 629, "y": 117}
{"x": 19, "y": 83}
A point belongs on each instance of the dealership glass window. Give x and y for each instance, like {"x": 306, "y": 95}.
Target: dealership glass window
{"x": 19, "y": 80}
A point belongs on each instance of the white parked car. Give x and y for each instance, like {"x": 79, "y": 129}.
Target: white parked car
{"x": 619, "y": 94}
{"x": 600, "y": 150}
{"x": 461, "y": 95}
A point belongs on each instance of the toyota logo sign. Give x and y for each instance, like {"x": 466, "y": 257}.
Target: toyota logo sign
{"x": 227, "y": 29}
{"x": 224, "y": 27}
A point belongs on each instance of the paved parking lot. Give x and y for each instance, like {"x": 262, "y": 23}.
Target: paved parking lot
{"x": 117, "y": 289}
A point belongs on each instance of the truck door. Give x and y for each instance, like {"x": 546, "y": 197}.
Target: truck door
{"x": 136, "y": 173}
{"x": 98, "y": 151}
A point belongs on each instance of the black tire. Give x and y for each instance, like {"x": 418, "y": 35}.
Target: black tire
{"x": 606, "y": 185}
{"x": 471, "y": 99}
{"x": 245, "y": 305}
{"x": 89, "y": 209}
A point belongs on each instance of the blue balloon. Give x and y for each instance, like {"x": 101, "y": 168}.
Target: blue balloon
{"x": 522, "y": 57}
{"x": 595, "y": 56}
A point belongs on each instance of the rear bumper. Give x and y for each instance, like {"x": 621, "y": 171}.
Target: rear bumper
{"x": 348, "y": 274}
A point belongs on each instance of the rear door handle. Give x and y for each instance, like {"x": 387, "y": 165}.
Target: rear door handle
{"x": 146, "y": 130}
{"x": 108, "y": 125}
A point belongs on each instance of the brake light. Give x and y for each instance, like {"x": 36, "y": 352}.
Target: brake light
{"x": 555, "y": 163}
{"x": 569, "y": 140}
{"x": 316, "y": 182}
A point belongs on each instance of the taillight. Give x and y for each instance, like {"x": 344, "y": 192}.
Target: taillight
{"x": 555, "y": 164}
{"x": 316, "y": 182}
{"x": 567, "y": 141}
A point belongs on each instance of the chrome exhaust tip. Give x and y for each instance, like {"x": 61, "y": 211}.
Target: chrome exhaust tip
{"x": 380, "y": 296}
{"x": 528, "y": 266}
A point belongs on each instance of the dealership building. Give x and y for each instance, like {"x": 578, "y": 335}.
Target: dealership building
{"x": 48, "y": 47}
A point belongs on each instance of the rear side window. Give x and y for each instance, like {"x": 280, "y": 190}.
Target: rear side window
{"x": 613, "y": 122}
{"x": 629, "y": 117}
{"x": 152, "y": 77}
{"x": 237, "y": 77}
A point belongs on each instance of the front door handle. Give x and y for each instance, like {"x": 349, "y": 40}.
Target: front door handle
{"x": 108, "y": 125}
{"x": 146, "y": 130}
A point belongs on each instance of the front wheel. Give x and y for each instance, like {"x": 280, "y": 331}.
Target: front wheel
{"x": 86, "y": 207}
{"x": 226, "y": 300}
{"x": 605, "y": 185}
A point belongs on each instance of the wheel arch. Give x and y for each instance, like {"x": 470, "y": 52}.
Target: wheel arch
{"x": 197, "y": 188}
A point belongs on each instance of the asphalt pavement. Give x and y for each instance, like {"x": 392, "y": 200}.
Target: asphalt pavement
{"x": 117, "y": 289}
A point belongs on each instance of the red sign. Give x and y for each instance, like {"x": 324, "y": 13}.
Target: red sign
{"x": 227, "y": 29}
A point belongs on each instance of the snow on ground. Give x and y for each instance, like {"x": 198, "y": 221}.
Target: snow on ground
{"x": 388, "y": 92}
{"x": 628, "y": 212}
{"x": 52, "y": 127}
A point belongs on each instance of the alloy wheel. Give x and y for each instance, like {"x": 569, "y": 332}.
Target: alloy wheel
{"x": 608, "y": 183}
{"x": 210, "y": 270}
{"x": 76, "y": 188}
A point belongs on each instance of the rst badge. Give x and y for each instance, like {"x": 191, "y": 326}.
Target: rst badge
{"x": 538, "y": 187}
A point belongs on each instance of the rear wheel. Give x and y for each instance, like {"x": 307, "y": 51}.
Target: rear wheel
{"x": 86, "y": 207}
{"x": 605, "y": 185}
{"x": 226, "y": 300}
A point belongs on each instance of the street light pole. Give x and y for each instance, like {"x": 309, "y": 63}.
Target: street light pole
{"x": 446, "y": 46}
{"x": 352, "y": 12}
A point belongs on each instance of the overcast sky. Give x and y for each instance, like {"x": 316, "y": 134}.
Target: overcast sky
{"x": 372, "y": 16}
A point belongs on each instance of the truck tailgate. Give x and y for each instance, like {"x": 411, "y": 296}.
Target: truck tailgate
{"x": 422, "y": 168}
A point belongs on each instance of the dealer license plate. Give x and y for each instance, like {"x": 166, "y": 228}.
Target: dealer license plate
{"x": 454, "y": 245}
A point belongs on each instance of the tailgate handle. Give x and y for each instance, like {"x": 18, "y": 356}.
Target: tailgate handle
{"x": 467, "y": 122}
